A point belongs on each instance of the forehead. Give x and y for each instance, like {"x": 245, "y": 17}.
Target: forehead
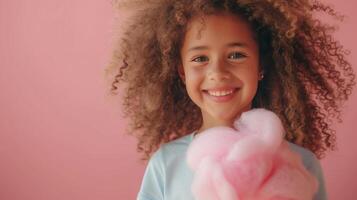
{"x": 218, "y": 28}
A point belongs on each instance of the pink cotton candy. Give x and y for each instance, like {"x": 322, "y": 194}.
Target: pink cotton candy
{"x": 248, "y": 162}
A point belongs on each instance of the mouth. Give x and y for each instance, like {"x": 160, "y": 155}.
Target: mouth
{"x": 221, "y": 95}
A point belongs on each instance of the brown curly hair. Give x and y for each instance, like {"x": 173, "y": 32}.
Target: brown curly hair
{"x": 307, "y": 76}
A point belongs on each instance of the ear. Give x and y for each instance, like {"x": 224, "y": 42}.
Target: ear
{"x": 261, "y": 72}
{"x": 181, "y": 73}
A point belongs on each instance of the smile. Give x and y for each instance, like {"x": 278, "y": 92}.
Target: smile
{"x": 220, "y": 93}
{"x": 221, "y": 96}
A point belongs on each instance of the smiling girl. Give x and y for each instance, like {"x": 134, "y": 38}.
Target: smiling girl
{"x": 186, "y": 66}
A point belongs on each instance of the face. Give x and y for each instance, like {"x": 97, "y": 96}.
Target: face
{"x": 220, "y": 67}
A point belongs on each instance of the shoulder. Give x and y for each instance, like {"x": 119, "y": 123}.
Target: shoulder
{"x": 309, "y": 159}
{"x": 179, "y": 144}
{"x": 312, "y": 164}
{"x": 171, "y": 150}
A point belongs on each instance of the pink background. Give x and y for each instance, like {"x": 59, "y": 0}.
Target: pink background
{"x": 61, "y": 135}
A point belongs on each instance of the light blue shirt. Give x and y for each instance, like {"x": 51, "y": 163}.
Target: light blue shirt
{"x": 167, "y": 176}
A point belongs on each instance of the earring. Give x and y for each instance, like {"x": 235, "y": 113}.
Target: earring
{"x": 261, "y": 75}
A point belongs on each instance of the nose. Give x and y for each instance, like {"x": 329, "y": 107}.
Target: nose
{"x": 218, "y": 71}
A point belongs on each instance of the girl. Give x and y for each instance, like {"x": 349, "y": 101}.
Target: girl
{"x": 189, "y": 65}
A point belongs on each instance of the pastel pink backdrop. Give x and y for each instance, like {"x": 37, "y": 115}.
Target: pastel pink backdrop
{"x": 61, "y": 135}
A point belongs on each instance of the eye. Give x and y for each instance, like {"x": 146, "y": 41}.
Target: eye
{"x": 200, "y": 59}
{"x": 236, "y": 55}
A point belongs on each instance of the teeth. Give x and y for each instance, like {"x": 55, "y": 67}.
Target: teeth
{"x": 220, "y": 93}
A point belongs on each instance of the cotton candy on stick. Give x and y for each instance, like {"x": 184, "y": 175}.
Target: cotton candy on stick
{"x": 249, "y": 161}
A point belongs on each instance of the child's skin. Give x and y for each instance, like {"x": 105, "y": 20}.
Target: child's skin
{"x": 220, "y": 55}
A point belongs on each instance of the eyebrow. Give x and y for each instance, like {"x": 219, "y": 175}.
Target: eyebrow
{"x": 232, "y": 44}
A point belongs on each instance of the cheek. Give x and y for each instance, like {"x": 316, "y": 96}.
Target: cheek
{"x": 246, "y": 73}
{"x": 249, "y": 78}
{"x": 193, "y": 83}
{"x": 252, "y": 85}
{"x": 193, "y": 76}
{"x": 252, "y": 78}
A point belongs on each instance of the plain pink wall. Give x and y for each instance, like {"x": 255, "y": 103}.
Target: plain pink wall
{"x": 61, "y": 136}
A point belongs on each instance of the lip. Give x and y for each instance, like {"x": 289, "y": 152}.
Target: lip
{"x": 226, "y": 88}
{"x": 221, "y": 99}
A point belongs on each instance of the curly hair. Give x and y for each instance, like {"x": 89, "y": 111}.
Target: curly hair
{"x": 307, "y": 75}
